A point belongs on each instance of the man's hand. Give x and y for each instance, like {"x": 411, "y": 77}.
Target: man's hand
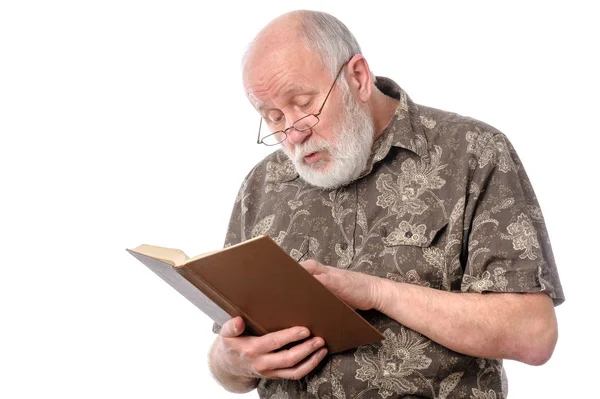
{"x": 237, "y": 361}
{"x": 358, "y": 290}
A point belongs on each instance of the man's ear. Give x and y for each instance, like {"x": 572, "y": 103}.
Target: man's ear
{"x": 358, "y": 76}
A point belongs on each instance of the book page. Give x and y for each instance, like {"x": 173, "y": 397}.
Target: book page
{"x": 165, "y": 271}
{"x": 170, "y": 255}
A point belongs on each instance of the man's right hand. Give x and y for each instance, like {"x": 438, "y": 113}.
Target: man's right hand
{"x": 237, "y": 360}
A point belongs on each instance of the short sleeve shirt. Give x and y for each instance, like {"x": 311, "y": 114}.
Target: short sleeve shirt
{"x": 445, "y": 203}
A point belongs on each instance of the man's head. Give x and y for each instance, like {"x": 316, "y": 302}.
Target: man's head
{"x": 288, "y": 71}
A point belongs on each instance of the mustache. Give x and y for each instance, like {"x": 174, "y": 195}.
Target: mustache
{"x": 302, "y": 150}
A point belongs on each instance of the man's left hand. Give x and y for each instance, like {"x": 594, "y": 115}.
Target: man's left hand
{"x": 358, "y": 290}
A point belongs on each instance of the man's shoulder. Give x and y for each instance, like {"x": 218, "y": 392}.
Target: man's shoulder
{"x": 451, "y": 122}
{"x": 460, "y": 141}
{"x": 434, "y": 120}
{"x": 458, "y": 135}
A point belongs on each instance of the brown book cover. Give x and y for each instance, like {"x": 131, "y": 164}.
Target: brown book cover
{"x": 258, "y": 281}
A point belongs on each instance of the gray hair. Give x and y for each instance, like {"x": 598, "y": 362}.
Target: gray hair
{"x": 328, "y": 37}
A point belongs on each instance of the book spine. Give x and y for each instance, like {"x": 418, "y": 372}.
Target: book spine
{"x": 251, "y": 325}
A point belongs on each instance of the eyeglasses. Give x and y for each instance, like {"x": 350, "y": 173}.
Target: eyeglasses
{"x": 305, "y": 123}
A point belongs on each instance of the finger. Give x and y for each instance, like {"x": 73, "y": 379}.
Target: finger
{"x": 311, "y": 265}
{"x": 301, "y": 369}
{"x": 233, "y": 327}
{"x": 276, "y": 340}
{"x": 290, "y": 357}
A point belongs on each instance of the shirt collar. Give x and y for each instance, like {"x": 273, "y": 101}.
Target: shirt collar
{"x": 404, "y": 130}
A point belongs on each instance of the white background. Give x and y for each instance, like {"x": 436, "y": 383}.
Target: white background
{"x": 125, "y": 122}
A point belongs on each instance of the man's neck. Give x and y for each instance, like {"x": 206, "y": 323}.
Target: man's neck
{"x": 382, "y": 109}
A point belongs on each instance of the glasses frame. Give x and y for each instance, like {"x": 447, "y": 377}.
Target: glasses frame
{"x": 285, "y": 131}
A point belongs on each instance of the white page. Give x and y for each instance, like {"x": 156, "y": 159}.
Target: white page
{"x": 184, "y": 287}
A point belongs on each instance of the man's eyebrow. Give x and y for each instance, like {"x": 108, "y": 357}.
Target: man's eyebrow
{"x": 289, "y": 91}
{"x": 256, "y": 103}
{"x": 261, "y": 107}
{"x": 294, "y": 89}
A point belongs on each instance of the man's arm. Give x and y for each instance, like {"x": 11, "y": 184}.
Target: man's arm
{"x": 494, "y": 325}
{"x": 237, "y": 362}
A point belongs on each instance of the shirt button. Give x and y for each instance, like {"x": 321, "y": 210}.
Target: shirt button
{"x": 408, "y": 234}
{"x": 344, "y": 246}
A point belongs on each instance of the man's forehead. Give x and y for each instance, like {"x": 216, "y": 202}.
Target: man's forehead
{"x": 286, "y": 71}
{"x": 288, "y": 91}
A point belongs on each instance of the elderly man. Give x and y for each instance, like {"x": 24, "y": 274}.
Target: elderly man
{"x": 421, "y": 219}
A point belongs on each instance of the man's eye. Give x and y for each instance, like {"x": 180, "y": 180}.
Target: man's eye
{"x": 276, "y": 119}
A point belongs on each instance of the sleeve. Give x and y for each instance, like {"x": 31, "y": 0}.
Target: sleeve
{"x": 507, "y": 246}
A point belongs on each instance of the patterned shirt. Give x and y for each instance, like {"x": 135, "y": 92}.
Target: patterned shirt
{"x": 444, "y": 202}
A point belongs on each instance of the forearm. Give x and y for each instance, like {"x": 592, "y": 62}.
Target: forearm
{"x": 495, "y": 325}
{"x": 230, "y": 382}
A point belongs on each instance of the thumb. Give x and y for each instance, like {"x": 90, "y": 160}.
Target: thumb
{"x": 312, "y": 266}
{"x": 233, "y": 327}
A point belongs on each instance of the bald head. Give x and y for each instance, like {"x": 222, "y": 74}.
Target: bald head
{"x": 324, "y": 37}
{"x": 281, "y": 38}
{"x": 279, "y": 32}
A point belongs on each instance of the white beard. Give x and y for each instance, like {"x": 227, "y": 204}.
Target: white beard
{"x": 349, "y": 152}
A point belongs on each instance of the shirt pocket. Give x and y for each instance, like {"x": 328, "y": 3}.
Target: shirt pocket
{"x": 413, "y": 250}
{"x": 420, "y": 232}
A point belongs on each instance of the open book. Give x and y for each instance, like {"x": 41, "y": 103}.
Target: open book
{"x": 261, "y": 283}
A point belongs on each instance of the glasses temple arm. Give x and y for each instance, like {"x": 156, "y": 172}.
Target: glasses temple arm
{"x": 259, "y": 127}
{"x": 330, "y": 89}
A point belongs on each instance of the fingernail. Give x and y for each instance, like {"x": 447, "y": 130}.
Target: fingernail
{"x": 303, "y": 334}
{"x": 318, "y": 343}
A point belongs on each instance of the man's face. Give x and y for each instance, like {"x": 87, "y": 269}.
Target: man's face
{"x": 333, "y": 152}
{"x": 347, "y": 151}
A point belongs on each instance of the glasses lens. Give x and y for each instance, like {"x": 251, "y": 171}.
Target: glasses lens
{"x": 306, "y": 123}
{"x": 274, "y": 138}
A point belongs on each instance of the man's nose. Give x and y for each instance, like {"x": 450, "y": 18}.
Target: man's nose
{"x": 298, "y": 136}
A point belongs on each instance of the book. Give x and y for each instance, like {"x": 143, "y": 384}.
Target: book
{"x": 260, "y": 282}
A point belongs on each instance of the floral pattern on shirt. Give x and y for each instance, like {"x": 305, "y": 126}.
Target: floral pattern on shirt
{"x": 443, "y": 202}
{"x": 386, "y": 369}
